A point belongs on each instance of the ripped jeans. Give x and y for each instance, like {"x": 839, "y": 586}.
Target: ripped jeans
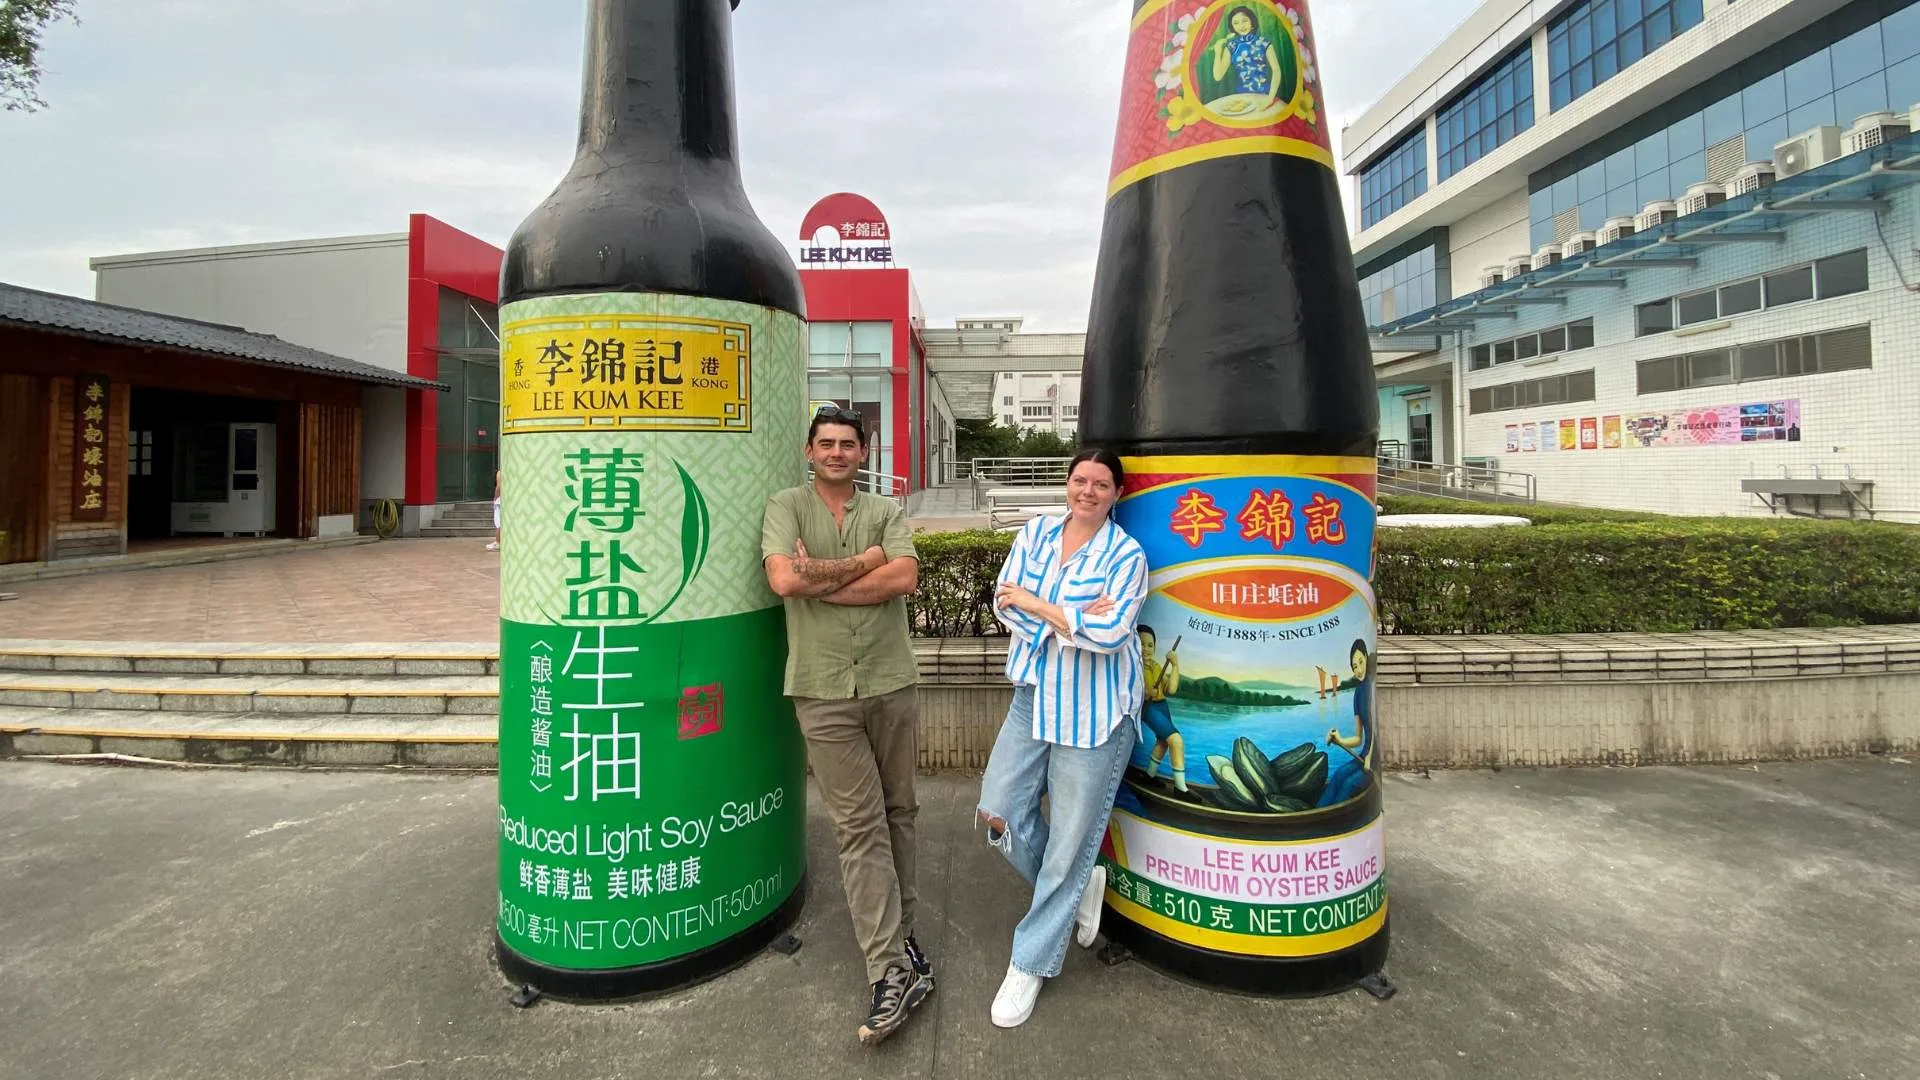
{"x": 1055, "y": 856}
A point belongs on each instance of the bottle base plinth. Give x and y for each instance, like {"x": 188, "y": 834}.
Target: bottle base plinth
{"x": 598, "y": 986}
{"x": 1254, "y": 976}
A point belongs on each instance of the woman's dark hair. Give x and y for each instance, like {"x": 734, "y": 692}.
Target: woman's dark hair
{"x": 1360, "y": 647}
{"x": 1248, "y": 12}
{"x": 1100, "y": 457}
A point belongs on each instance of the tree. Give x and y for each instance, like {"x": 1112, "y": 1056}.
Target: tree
{"x": 21, "y": 24}
{"x": 1045, "y": 444}
{"x": 984, "y": 439}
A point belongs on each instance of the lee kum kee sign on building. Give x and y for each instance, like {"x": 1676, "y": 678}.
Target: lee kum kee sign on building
{"x": 859, "y": 230}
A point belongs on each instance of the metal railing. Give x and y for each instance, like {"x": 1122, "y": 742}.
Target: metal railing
{"x": 1015, "y": 472}
{"x": 879, "y": 483}
{"x": 1473, "y": 482}
{"x": 1478, "y": 480}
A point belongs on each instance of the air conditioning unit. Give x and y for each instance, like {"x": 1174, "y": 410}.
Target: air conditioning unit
{"x": 1547, "y": 256}
{"x": 1655, "y": 214}
{"x": 1810, "y": 149}
{"x": 1518, "y": 265}
{"x": 1579, "y": 244}
{"x": 1492, "y": 275}
{"x": 1752, "y": 176}
{"x": 1874, "y": 129}
{"x": 1700, "y": 196}
{"x": 1614, "y": 228}
{"x": 1913, "y": 117}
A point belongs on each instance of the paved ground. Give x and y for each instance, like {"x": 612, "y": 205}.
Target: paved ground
{"x": 397, "y": 590}
{"x": 948, "y": 508}
{"x": 1579, "y": 925}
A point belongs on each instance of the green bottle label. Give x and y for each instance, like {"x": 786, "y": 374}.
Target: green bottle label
{"x": 652, "y": 779}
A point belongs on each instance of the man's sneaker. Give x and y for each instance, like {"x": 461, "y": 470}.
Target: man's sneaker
{"x": 919, "y": 959}
{"x": 1014, "y": 1003}
{"x": 1086, "y": 921}
{"x": 894, "y": 997}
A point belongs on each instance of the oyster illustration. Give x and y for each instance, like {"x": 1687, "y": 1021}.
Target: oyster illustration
{"x": 1252, "y": 767}
{"x": 1234, "y": 791}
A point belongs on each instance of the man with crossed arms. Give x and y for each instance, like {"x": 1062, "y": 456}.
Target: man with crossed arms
{"x": 844, "y": 563}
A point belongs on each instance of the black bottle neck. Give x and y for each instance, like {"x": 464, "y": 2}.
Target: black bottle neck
{"x": 659, "y": 83}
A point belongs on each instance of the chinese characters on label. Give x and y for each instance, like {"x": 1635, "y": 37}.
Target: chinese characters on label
{"x": 627, "y": 373}
{"x": 90, "y": 412}
{"x": 602, "y": 574}
{"x": 1267, "y": 516}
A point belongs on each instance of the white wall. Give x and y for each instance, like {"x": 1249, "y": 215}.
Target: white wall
{"x": 346, "y": 296}
{"x": 383, "y": 443}
{"x": 1853, "y": 420}
{"x": 1488, "y": 237}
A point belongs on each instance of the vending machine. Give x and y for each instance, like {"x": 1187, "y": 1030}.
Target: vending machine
{"x": 223, "y": 479}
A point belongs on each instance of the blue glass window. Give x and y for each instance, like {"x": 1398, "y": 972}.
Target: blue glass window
{"x": 1401, "y": 288}
{"x": 1488, "y": 112}
{"x": 1860, "y": 70}
{"x": 1595, "y": 40}
{"x": 1397, "y": 178}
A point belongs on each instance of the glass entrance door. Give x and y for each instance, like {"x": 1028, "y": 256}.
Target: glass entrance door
{"x": 483, "y": 448}
{"x": 1420, "y": 436}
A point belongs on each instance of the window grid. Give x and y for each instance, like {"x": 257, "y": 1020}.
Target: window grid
{"x": 1495, "y": 108}
{"x": 1836, "y": 275}
{"x": 1850, "y": 349}
{"x": 1398, "y": 178}
{"x": 1858, "y": 71}
{"x": 1402, "y": 288}
{"x": 1554, "y": 339}
{"x": 1530, "y": 393}
{"x": 1593, "y": 41}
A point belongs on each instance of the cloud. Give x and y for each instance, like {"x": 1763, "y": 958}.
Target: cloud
{"x": 984, "y": 131}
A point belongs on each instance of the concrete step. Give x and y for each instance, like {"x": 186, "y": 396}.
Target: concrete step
{"x": 301, "y": 695}
{"x": 241, "y": 658}
{"x": 212, "y": 738}
{"x": 437, "y": 532}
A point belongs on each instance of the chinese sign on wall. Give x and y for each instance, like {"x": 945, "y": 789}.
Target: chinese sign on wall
{"x": 1711, "y": 425}
{"x": 90, "y": 412}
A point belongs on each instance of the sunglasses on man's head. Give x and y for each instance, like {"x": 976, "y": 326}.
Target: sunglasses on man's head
{"x": 838, "y": 415}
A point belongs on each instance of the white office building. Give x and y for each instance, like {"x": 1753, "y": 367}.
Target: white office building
{"x": 991, "y": 369}
{"x": 1659, "y": 254}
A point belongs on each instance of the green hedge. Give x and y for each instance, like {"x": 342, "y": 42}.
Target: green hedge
{"x": 1642, "y": 574}
{"x": 1538, "y": 513}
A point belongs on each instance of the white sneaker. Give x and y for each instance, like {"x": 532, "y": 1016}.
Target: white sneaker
{"x": 1086, "y": 921}
{"x": 1014, "y": 1003}
{"x": 492, "y": 546}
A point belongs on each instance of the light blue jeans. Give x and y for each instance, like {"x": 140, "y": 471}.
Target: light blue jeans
{"x": 1055, "y": 856}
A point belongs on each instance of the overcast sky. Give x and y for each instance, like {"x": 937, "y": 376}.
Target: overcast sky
{"x": 982, "y": 130}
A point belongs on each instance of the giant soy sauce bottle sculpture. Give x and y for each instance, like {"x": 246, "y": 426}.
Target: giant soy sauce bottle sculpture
{"x": 652, "y": 781}
{"x": 1227, "y": 362}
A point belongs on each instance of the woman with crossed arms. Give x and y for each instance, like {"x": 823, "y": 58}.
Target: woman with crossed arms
{"x": 1070, "y": 595}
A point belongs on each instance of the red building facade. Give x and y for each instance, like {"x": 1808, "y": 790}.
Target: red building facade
{"x": 453, "y": 324}
{"x": 867, "y": 345}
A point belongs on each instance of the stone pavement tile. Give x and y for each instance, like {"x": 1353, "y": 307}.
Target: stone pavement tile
{"x": 1578, "y": 924}
{"x": 395, "y": 591}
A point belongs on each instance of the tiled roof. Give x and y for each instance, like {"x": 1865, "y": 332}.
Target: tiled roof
{"x": 109, "y": 322}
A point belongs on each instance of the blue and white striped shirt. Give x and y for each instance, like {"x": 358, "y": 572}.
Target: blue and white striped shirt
{"x": 1087, "y": 683}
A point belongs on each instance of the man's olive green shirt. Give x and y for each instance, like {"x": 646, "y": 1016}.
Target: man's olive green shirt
{"x": 836, "y": 652}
